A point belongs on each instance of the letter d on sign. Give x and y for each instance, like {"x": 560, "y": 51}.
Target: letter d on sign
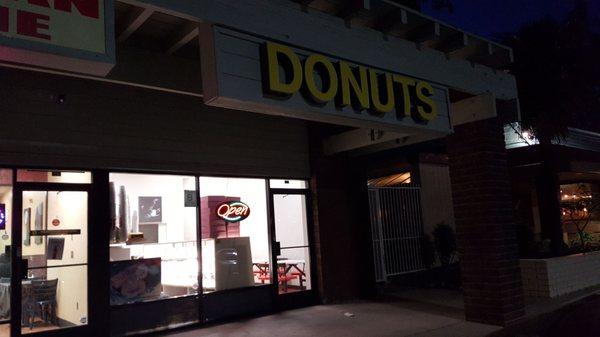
{"x": 278, "y": 55}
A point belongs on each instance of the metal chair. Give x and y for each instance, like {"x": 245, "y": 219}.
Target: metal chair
{"x": 44, "y": 298}
{"x": 27, "y": 305}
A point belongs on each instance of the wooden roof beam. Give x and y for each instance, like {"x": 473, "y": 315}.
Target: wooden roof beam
{"x": 472, "y": 49}
{"x": 453, "y": 42}
{"x": 391, "y": 20}
{"x": 427, "y": 34}
{"x": 495, "y": 57}
{"x": 350, "y": 8}
{"x": 183, "y": 37}
{"x": 135, "y": 19}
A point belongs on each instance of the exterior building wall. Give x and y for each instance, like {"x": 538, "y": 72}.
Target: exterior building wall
{"x": 436, "y": 196}
{"x": 101, "y": 125}
{"x": 485, "y": 223}
{"x": 53, "y": 121}
{"x": 553, "y": 277}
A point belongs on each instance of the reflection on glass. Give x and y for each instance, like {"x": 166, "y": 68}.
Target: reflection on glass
{"x": 6, "y": 191}
{"x": 235, "y": 239}
{"x": 153, "y": 244}
{"x": 54, "y": 294}
{"x": 293, "y": 265}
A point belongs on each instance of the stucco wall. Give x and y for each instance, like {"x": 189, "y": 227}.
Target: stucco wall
{"x": 549, "y": 278}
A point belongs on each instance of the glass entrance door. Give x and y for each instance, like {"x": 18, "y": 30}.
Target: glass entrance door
{"x": 292, "y": 247}
{"x": 6, "y": 201}
{"x": 51, "y": 281}
{"x": 54, "y": 254}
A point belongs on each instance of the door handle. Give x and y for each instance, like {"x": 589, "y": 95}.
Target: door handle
{"x": 276, "y": 248}
{"x": 24, "y": 268}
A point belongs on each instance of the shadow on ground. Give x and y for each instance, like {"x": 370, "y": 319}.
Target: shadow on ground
{"x": 578, "y": 319}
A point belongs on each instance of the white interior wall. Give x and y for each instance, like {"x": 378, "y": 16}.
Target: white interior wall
{"x": 171, "y": 190}
{"x": 71, "y": 293}
{"x": 70, "y": 208}
{"x": 291, "y": 230}
{"x": 290, "y": 220}
{"x": 32, "y": 200}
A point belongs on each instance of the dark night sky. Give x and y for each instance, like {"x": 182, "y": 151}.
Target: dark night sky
{"x": 488, "y": 18}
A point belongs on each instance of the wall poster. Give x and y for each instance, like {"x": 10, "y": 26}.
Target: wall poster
{"x": 150, "y": 209}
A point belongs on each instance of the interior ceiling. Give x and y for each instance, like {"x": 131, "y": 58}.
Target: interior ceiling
{"x": 390, "y": 181}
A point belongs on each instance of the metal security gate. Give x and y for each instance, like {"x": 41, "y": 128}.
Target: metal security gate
{"x": 397, "y": 230}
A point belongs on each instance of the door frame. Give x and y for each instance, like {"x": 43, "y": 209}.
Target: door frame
{"x": 301, "y": 298}
{"x": 16, "y": 254}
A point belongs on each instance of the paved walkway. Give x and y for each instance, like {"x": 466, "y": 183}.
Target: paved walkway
{"x": 364, "y": 319}
{"x": 564, "y": 317}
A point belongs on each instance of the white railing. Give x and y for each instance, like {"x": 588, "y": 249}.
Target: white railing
{"x": 397, "y": 230}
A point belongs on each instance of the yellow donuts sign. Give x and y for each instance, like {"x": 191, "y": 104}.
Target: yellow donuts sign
{"x": 321, "y": 80}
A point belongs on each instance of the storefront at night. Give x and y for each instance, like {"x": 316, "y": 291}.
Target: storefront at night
{"x": 166, "y": 164}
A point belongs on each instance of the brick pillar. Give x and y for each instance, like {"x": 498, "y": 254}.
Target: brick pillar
{"x": 485, "y": 223}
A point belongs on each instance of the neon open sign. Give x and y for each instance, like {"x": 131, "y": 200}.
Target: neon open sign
{"x": 233, "y": 211}
{"x": 2, "y": 216}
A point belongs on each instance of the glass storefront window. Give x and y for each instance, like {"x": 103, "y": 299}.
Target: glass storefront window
{"x": 235, "y": 236}
{"x": 153, "y": 245}
{"x": 48, "y": 176}
{"x": 580, "y": 208}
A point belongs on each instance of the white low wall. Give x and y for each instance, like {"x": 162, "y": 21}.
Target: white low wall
{"x": 548, "y": 278}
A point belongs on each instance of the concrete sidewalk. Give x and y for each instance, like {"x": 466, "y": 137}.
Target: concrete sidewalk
{"x": 364, "y": 319}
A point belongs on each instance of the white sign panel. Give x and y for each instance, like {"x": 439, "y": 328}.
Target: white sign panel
{"x": 73, "y": 35}
{"x": 246, "y": 72}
